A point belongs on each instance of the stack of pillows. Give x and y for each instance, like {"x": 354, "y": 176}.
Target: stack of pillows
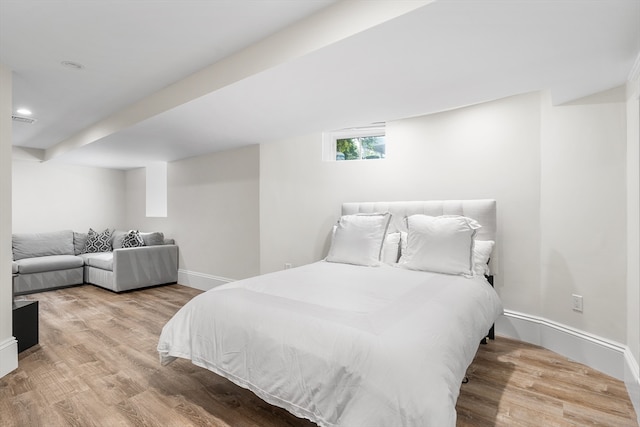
{"x": 108, "y": 240}
{"x": 441, "y": 244}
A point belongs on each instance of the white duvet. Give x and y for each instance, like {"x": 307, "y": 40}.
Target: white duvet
{"x": 339, "y": 344}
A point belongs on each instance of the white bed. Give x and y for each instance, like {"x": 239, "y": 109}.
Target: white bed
{"x": 342, "y": 344}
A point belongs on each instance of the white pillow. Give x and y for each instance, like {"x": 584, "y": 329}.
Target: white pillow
{"x": 404, "y": 236}
{"x": 391, "y": 248}
{"x": 358, "y": 239}
{"x": 481, "y": 253}
{"x": 442, "y": 244}
{"x": 482, "y": 250}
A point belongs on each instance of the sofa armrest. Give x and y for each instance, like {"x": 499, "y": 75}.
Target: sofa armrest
{"x": 144, "y": 266}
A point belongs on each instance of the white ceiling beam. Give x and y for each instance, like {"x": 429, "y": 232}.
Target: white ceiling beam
{"x": 337, "y": 22}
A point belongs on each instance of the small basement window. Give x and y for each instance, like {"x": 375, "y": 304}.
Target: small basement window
{"x": 354, "y": 144}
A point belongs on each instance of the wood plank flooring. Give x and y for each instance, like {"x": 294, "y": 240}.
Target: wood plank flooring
{"x": 97, "y": 365}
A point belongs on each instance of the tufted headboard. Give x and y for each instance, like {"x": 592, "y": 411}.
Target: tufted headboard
{"x": 483, "y": 211}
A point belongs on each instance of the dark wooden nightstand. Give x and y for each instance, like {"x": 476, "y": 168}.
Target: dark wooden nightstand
{"x": 25, "y": 324}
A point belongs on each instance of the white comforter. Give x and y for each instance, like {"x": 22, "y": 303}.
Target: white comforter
{"x": 341, "y": 345}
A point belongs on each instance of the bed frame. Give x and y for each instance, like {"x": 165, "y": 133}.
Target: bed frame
{"x": 482, "y": 210}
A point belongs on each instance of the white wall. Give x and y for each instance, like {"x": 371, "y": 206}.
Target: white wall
{"x": 52, "y": 196}
{"x": 633, "y": 234}
{"x": 213, "y": 212}
{"x": 583, "y": 214}
{"x": 8, "y": 345}
{"x": 557, "y": 173}
{"x": 485, "y": 151}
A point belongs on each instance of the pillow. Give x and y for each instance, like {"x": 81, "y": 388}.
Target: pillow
{"x": 482, "y": 250}
{"x": 442, "y": 244}
{"x": 481, "y": 253}
{"x": 98, "y": 242}
{"x": 358, "y": 239}
{"x": 404, "y": 236}
{"x": 153, "y": 239}
{"x": 391, "y": 248}
{"x": 116, "y": 238}
{"x": 132, "y": 239}
{"x": 79, "y": 242}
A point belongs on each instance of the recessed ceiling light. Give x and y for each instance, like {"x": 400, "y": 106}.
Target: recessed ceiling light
{"x": 23, "y": 111}
{"x": 72, "y": 65}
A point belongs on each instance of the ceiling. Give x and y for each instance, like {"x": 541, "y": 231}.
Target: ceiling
{"x": 166, "y": 80}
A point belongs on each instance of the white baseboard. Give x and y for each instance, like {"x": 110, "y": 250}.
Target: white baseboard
{"x": 632, "y": 380}
{"x": 8, "y": 356}
{"x": 201, "y": 281}
{"x": 599, "y": 353}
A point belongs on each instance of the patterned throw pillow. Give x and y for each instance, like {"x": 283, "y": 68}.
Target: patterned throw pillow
{"x": 98, "y": 242}
{"x": 132, "y": 239}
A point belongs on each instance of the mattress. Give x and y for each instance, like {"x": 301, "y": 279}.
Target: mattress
{"x": 340, "y": 344}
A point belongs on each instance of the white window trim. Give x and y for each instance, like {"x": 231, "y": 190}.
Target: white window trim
{"x": 329, "y": 139}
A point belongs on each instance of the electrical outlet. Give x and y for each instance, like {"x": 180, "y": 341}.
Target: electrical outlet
{"x": 287, "y": 265}
{"x": 577, "y": 302}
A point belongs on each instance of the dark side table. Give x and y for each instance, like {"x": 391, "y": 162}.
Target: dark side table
{"x": 25, "y": 324}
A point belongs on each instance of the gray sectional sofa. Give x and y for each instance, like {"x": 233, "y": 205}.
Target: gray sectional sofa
{"x": 43, "y": 261}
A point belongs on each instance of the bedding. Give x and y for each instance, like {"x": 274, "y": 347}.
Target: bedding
{"x": 341, "y": 344}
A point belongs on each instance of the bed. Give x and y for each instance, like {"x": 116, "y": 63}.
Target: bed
{"x": 367, "y": 336}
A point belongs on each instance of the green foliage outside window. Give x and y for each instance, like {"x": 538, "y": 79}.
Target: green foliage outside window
{"x": 366, "y": 147}
{"x": 349, "y": 148}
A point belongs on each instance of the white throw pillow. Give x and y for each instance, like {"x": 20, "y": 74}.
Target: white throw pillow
{"x": 391, "y": 248}
{"x": 481, "y": 253}
{"x": 441, "y": 244}
{"x": 404, "y": 236}
{"x": 358, "y": 239}
{"x": 482, "y": 250}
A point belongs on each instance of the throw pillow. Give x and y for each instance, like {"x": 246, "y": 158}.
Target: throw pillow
{"x": 153, "y": 239}
{"x": 481, "y": 254}
{"x": 98, "y": 242}
{"x": 391, "y": 248}
{"x": 442, "y": 244}
{"x": 116, "y": 239}
{"x": 132, "y": 239}
{"x": 358, "y": 239}
{"x": 79, "y": 242}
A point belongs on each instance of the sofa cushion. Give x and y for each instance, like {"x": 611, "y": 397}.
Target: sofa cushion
{"x": 14, "y": 267}
{"x": 101, "y": 260}
{"x": 29, "y": 245}
{"x": 48, "y": 263}
{"x": 98, "y": 242}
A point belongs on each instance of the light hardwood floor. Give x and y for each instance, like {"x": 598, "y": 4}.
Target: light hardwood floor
{"x": 97, "y": 365}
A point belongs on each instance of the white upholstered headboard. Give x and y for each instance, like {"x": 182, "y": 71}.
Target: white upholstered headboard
{"x": 483, "y": 211}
